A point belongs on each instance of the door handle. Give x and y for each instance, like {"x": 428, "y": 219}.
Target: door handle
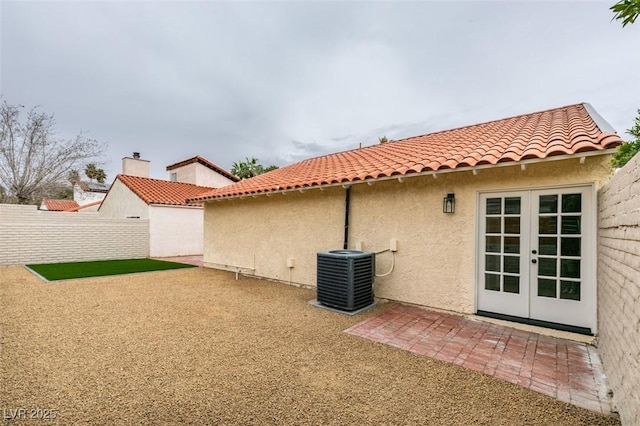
{"x": 534, "y": 251}
{"x": 534, "y": 261}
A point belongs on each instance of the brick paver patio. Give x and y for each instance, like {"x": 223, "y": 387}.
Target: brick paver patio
{"x": 563, "y": 369}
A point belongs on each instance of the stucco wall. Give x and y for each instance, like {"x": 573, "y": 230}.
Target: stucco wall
{"x": 175, "y": 231}
{"x": 264, "y": 232}
{"x": 121, "y": 202}
{"x": 619, "y": 288}
{"x": 198, "y": 174}
{"x": 135, "y": 167}
{"x": 29, "y": 235}
{"x": 434, "y": 265}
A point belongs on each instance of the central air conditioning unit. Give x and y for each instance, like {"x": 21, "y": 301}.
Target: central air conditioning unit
{"x": 345, "y": 279}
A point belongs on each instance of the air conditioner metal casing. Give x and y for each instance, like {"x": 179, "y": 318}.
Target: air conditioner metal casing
{"x": 345, "y": 279}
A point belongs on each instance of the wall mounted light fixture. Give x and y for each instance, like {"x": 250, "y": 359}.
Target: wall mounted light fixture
{"x": 449, "y": 203}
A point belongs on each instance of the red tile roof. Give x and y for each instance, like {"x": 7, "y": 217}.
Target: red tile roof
{"x": 156, "y": 191}
{"x": 59, "y": 205}
{"x": 206, "y": 163}
{"x": 77, "y": 208}
{"x": 562, "y": 131}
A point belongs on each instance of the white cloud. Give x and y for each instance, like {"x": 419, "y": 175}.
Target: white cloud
{"x": 283, "y": 81}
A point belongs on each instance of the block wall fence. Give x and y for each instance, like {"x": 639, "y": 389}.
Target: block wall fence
{"x": 29, "y": 235}
{"x": 619, "y": 288}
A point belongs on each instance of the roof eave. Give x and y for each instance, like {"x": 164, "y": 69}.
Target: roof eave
{"x": 474, "y": 169}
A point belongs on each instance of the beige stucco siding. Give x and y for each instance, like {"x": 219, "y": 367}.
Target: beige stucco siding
{"x": 272, "y": 230}
{"x": 435, "y": 262}
{"x": 175, "y": 230}
{"x": 121, "y": 202}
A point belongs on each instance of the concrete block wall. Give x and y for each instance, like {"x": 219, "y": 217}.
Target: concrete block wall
{"x": 619, "y": 288}
{"x": 29, "y": 235}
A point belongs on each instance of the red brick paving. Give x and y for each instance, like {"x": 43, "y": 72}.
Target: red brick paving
{"x": 563, "y": 369}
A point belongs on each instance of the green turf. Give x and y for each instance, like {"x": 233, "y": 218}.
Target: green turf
{"x": 65, "y": 271}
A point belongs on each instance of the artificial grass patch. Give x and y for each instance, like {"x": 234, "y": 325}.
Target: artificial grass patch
{"x": 65, "y": 271}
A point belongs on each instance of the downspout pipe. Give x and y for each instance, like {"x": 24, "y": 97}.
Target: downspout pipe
{"x": 346, "y": 217}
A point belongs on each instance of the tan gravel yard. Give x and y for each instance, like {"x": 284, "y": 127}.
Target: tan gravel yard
{"x": 198, "y": 347}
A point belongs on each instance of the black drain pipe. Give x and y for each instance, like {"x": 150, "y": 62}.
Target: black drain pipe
{"x": 346, "y": 217}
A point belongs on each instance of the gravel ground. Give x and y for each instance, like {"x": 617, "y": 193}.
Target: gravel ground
{"x": 198, "y": 347}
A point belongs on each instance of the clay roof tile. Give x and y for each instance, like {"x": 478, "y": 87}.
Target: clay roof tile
{"x": 566, "y": 130}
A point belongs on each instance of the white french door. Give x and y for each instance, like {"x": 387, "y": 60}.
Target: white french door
{"x": 535, "y": 257}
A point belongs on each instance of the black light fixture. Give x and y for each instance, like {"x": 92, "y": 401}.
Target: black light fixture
{"x": 449, "y": 203}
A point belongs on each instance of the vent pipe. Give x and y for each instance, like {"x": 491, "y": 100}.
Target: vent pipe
{"x": 346, "y": 218}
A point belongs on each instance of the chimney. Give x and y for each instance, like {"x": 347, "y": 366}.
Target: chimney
{"x": 135, "y": 166}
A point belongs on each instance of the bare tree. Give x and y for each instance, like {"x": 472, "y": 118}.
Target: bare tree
{"x": 34, "y": 163}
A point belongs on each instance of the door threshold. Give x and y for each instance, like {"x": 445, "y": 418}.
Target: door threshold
{"x": 544, "y": 325}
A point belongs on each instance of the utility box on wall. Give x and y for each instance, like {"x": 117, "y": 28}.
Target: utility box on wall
{"x": 345, "y": 279}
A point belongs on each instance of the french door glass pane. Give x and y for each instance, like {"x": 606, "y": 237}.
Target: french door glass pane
{"x": 493, "y": 244}
{"x": 511, "y": 284}
{"x": 494, "y": 205}
{"x": 494, "y": 225}
{"x": 548, "y": 246}
{"x": 569, "y": 268}
{"x": 548, "y": 224}
{"x": 512, "y": 205}
{"x": 548, "y": 204}
{"x": 547, "y": 267}
{"x": 570, "y": 224}
{"x": 571, "y": 203}
{"x": 570, "y": 246}
{"x": 492, "y": 263}
{"x": 512, "y": 225}
{"x": 546, "y": 288}
{"x": 492, "y": 282}
{"x": 512, "y": 264}
{"x": 512, "y": 245}
{"x": 570, "y": 290}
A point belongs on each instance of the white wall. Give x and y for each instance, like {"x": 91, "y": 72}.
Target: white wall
{"x": 121, "y": 202}
{"x": 207, "y": 177}
{"x": 175, "y": 230}
{"x": 200, "y": 175}
{"x": 135, "y": 167}
{"x": 86, "y": 197}
{"x": 619, "y": 288}
{"x": 29, "y": 235}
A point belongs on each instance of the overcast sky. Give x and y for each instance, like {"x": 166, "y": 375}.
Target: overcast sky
{"x": 284, "y": 81}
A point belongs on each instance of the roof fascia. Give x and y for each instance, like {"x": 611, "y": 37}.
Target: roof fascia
{"x": 176, "y": 205}
{"x": 475, "y": 169}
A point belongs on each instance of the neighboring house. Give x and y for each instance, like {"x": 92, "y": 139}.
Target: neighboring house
{"x": 520, "y": 243}
{"x": 89, "y": 192}
{"x": 198, "y": 171}
{"x": 58, "y": 205}
{"x": 175, "y": 228}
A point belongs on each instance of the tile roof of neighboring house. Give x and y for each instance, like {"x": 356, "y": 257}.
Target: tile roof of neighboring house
{"x": 561, "y": 131}
{"x": 156, "y": 191}
{"x": 59, "y": 205}
{"x": 84, "y": 206}
{"x": 93, "y": 186}
{"x": 206, "y": 163}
